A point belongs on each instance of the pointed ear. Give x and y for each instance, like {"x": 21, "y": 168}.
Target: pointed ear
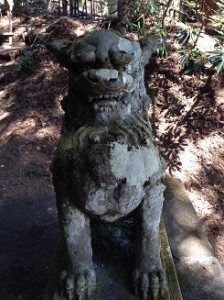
{"x": 148, "y": 45}
{"x": 60, "y": 49}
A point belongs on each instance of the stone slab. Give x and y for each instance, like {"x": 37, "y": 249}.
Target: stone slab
{"x": 10, "y": 54}
{"x": 199, "y": 272}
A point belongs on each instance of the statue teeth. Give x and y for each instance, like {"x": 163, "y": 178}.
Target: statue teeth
{"x": 95, "y": 106}
{"x": 106, "y": 109}
{"x": 90, "y": 99}
{"x": 114, "y": 96}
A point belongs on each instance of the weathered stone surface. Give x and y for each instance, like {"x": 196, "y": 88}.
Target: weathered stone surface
{"x": 107, "y": 165}
{"x": 199, "y": 272}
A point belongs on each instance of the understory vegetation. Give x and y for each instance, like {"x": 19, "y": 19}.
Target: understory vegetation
{"x": 163, "y": 18}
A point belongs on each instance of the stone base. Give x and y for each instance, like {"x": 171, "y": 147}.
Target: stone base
{"x": 199, "y": 272}
{"x": 114, "y": 262}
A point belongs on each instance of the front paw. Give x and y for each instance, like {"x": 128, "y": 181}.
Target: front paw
{"x": 149, "y": 283}
{"x": 77, "y": 286}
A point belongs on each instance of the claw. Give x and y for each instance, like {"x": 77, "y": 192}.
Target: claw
{"x": 62, "y": 278}
{"x": 89, "y": 292}
{"x": 63, "y": 275}
{"x": 135, "y": 281}
{"x": 145, "y": 286}
{"x": 80, "y": 284}
{"x": 144, "y": 295}
{"x": 149, "y": 284}
{"x": 163, "y": 282}
{"x": 70, "y": 297}
{"x": 91, "y": 283}
{"x": 70, "y": 287}
{"x": 155, "y": 287}
{"x": 70, "y": 294}
{"x": 80, "y": 296}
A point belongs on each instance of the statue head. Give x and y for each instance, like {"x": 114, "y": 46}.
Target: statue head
{"x": 106, "y": 75}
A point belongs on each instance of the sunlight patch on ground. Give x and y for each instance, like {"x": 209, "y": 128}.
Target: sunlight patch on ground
{"x": 212, "y": 141}
{"x": 46, "y": 131}
{"x": 198, "y": 162}
{"x": 4, "y": 115}
{"x": 206, "y": 42}
{"x": 19, "y": 127}
{"x": 190, "y": 162}
{"x": 202, "y": 206}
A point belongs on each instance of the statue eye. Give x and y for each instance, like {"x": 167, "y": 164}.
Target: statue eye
{"x": 121, "y": 58}
{"x": 83, "y": 57}
{"x": 82, "y": 54}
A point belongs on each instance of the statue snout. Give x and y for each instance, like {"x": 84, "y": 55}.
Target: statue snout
{"x": 102, "y": 75}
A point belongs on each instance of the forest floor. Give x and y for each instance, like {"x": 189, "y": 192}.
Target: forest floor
{"x": 187, "y": 118}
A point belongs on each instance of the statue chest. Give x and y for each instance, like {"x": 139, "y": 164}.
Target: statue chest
{"x": 112, "y": 178}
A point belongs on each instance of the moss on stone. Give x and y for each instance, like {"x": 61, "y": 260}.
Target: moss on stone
{"x": 173, "y": 292}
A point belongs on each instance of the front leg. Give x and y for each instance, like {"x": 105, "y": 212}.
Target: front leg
{"x": 149, "y": 276}
{"x": 78, "y": 277}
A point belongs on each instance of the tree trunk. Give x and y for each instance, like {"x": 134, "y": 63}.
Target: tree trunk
{"x": 208, "y": 7}
{"x": 120, "y": 9}
{"x": 65, "y": 7}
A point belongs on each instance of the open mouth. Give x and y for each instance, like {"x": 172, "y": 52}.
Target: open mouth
{"x": 105, "y": 97}
{"x": 104, "y": 102}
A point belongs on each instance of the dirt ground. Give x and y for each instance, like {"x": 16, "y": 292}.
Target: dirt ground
{"x": 187, "y": 117}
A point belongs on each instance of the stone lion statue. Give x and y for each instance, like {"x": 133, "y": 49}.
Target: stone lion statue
{"x": 107, "y": 165}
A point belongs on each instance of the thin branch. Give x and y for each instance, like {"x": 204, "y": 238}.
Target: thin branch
{"x": 165, "y": 12}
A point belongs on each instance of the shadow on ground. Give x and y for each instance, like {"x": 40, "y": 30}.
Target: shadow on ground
{"x": 29, "y": 238}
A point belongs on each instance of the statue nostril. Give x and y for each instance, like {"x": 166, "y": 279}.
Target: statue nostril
{"x": 112, "y": 80}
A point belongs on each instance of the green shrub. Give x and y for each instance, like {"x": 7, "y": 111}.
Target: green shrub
{"x": 188, "y": 36}
{"x": 162, "y": 50}
{"x": 192, "y": 60}
{"x": 217, "y": 18}
{"x": 216, "y": 59}
{"x": 25, "y": 61}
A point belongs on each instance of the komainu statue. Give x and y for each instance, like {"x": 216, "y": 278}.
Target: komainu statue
{"x": 107, "y": 165}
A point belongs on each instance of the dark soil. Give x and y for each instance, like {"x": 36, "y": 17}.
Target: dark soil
{"x": 187, "y": 117}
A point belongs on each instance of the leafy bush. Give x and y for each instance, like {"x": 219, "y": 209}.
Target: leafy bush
{"x": 188, "y": 36}
{"x": 162, "y": 50}
{"x": 192, "y": 60}
{"x": 216, "y": 58}
{"x": 217, "y": 19}
{"x": 26, "y": 60}
{"x": 29, "y": 35}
